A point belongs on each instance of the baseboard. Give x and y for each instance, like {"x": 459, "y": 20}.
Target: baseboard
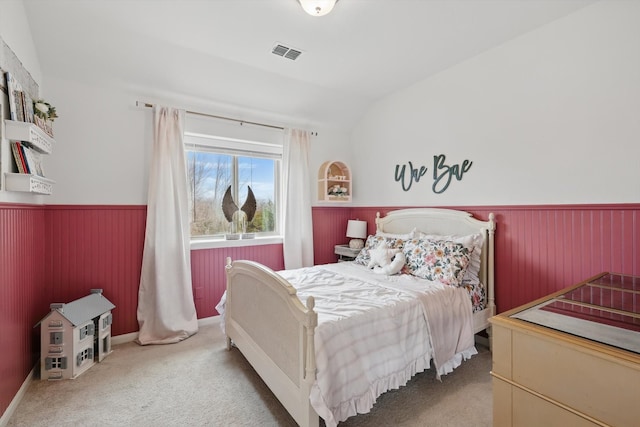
{"x": 213, "y": 320}
{"x": 6, "y": 416}
{"x": 125, "y": 338}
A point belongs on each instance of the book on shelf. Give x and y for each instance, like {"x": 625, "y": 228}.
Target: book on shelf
{"x": 33, "y": 160}
{"x": 28, "y": 160}
{"x": 28, "y": 108}
{"x": 23, "y": 155}
{"x": 13, "y": 89}
{"x": 19, "y": 99}
{"x": 20, "y": 103}
{"x": 18, "y": 156}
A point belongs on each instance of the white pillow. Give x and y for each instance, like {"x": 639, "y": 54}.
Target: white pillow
{"x": 475, "y": 241}
{"x": 403, "y": 236}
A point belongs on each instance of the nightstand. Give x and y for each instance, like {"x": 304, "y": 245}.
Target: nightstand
{"x": 345, "y": 253}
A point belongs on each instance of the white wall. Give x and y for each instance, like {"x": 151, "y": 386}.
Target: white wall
{"x": 104, "y": 141}
{"x": 550, "y": 117}
{"x": 15, "y": 33}
{"x": 15, "y": 30}
{"x": 102, "y": 146}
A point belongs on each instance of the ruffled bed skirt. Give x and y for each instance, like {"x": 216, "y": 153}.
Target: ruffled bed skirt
{"x": 363, "y": 404}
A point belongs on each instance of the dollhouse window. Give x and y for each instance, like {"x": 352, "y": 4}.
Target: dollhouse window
{"x": 87, "y": 330}
{"x": 55, "y": 337}
{"x": 55, "y": 363}
{"x": 87, "y": 353}
{"x": 106, "y": 321}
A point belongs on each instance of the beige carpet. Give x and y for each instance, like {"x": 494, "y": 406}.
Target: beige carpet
{"x": 199, "y": 383}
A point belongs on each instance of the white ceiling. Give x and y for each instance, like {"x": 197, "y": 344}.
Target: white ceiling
{"x": 218, "y": 52}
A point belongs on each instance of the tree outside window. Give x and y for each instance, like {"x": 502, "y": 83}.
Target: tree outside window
{"x": 211, "y": 173}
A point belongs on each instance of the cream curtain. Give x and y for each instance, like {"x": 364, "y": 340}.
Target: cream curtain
{"x": 166, "y": 311}
{"x": 298, "y": 228}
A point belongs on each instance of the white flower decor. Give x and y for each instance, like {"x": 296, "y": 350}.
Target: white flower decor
{"x": 44, "y": 110}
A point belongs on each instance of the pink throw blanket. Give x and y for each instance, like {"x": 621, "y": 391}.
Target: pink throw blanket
{"x": 449, "y": 334}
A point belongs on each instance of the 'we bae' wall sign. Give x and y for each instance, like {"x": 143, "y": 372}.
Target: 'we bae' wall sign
{"x": 406, "y": 175}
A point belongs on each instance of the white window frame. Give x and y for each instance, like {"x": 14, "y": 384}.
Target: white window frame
{"x": 240, "y": 147}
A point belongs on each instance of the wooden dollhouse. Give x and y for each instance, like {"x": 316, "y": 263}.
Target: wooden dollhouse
{"x": 74, "y": 336}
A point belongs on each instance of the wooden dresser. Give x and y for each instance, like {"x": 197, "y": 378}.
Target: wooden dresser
{"x": 571, "y": 358}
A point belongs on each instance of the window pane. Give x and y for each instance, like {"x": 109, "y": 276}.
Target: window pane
{"x": 211, "y": 173}
{"x": 259, "y": 174}
{"x": 209, "y": 176}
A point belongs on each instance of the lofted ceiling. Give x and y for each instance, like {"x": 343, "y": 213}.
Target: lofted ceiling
{"x": 219, "y": 52}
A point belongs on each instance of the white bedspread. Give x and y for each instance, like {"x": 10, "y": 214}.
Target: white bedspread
{"x": 362, "y": 351}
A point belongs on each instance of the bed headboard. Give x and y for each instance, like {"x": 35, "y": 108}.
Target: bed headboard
{"x": 447, "y": 222}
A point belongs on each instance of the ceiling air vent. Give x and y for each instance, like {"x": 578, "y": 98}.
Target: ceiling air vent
{"x": 286, "y": 52}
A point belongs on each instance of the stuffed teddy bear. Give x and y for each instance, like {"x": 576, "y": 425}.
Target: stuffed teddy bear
{"x": 385, "y": 260}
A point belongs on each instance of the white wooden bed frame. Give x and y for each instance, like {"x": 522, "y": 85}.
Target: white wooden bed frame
{"x": 274, "y": 331}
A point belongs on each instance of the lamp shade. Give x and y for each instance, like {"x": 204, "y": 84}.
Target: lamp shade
{"x": 317, "y": 7}
{"x": 356, "y": 229}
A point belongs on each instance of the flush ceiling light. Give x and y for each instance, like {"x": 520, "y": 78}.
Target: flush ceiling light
{"x": 317, "y": 7}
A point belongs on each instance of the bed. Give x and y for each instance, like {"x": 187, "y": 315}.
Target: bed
{"x": 312, "y": 357}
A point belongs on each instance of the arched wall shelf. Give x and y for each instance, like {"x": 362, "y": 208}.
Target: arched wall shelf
{"x": 334, "y": 182}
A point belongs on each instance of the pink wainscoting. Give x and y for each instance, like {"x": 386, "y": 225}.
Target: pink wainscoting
{"x": 544, "y": 249}
{"x": 57, "y": 253}
{"x": 208, "y": 273}
{"x": 101, "y": 247}
{"x": 539, "y": 249}
{"x": 96, "y": 247}
{"x": 22, "y": 294}
{"x": 329, "y": 228}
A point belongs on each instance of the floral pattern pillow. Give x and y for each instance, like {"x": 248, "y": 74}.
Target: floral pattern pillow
{"x": 472, "y": 241}
{"x": 373, "y": 242}
{"x": 440, "y": 260}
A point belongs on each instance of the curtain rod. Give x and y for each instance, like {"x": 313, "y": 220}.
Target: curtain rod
{"x": 196, "y": 113}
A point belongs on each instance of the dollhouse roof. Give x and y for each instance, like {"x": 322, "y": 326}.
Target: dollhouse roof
{"x": 83, "y": 309}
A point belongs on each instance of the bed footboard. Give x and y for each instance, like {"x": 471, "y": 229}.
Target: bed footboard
{"x": 275, "y": 332}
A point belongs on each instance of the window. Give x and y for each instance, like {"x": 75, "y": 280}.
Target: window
{"x": 86, "y": 331}
{"x": 55, "y": 363}
{"x": 86, "y": 354}
{"x": 215, "y": 165}
{"x": 107, "y": 321}
{"x": 55, "y": 337}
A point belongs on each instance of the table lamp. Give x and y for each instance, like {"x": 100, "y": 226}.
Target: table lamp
{"x": 357, "y": 230}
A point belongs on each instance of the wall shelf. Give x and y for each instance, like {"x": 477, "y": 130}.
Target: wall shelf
{"x": 27, "y": 182}
{"x": 334, "y": 182}
{"x": 28, "y": 132}
{"x": 36, "y": 139}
